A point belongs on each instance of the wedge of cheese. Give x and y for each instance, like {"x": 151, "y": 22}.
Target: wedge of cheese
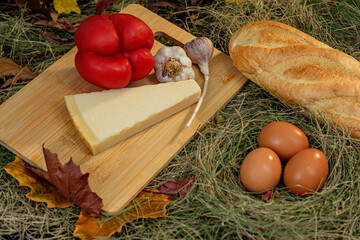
{"x": 105, "y": 118}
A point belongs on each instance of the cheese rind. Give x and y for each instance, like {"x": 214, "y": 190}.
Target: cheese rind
{"x": 105, "y": 118}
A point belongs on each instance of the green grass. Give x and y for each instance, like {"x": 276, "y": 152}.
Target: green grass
{"x": 218, "y": 207}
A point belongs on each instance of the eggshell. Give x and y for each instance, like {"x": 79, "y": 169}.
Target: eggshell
{"x": 306, "y": 172}
{"x": 260, "y": 170}
{"x": 283, "y": 138}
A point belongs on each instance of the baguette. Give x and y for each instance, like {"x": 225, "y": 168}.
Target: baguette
{"x": 300, "y": 70}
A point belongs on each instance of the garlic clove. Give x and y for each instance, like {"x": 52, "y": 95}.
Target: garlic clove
{"x": 200, "y": 51}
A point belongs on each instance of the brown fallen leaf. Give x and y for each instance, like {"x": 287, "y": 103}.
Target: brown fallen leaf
{"x": 49, "y": 23}
{"x": 70, "y": 26}
{"x": 266, "y": 196}
{"x": 10, "y": 68}
{"x": 54, "y": 22}
{"x": 102, "y": 6}
{"x": 194, "y": 2}
{"x": 147, "y": 204}
{"x": 157, "y": 5}
{"x": 41, "y": 190}
{"x": 37, "y": 6}
{"x": 70, "y": 182}
{"x": 177, "y": 188}
{"x": 56, "y": 38}
{"x": 162, "y": 4}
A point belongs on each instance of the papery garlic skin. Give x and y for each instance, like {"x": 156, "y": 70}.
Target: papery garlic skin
{"x": 172, "y": 65}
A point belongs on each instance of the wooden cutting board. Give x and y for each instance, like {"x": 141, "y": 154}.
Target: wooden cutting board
{"x": 37, "y": 115}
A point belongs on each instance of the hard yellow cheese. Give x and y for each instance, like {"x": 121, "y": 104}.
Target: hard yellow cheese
{"x": 105, "y": 118}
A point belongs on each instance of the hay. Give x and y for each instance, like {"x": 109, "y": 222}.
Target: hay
{"x": 218, "y": 207}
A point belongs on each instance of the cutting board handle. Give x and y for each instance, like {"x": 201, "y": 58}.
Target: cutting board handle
{"x": 160, "y": 26}
{"x": 168, "y": 37}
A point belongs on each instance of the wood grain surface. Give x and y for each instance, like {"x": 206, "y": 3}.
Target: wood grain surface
{"x": 37, "y": 115}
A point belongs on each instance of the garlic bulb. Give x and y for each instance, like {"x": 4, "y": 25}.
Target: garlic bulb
{"x": 172, "y": 65}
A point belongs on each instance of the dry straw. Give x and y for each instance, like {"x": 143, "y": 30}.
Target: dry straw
{"x": 218, "y": 207}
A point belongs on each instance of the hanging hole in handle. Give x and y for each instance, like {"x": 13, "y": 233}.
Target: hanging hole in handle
{"x": 167, "y": 40}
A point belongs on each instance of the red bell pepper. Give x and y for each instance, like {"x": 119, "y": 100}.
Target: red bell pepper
{"x": 113, "y": 49}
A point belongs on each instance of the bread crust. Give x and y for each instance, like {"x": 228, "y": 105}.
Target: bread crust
{"x": 300, "y": 70}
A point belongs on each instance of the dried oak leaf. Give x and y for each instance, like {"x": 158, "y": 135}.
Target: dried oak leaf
{"x": 147, "y": 204}
{"x": 177, "y": 188}
{"x": 70, "y": 182}
{"x": 10, "y": 68}
{"x": 41, "y": 190}
{"x": 66, "y": 6}
{"x": 102, "y": 6}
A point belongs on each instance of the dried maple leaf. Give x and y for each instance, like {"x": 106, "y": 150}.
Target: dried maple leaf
{"x": 147, "y": 204}
{"x": 177, "y": 188}
{"x": 10, "y": 68}
{"x": 66, "y": 6}
{"x": 70, "y": 182}
{"x": 41, "y": 190}
{"x": 102, "y": 5}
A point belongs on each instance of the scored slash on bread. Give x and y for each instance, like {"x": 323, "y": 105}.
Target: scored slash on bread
{"x": 300, "y": 70}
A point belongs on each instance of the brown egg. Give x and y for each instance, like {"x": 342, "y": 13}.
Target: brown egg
{"x": 306, "y": 172}
{"x": 260, "y": 170}
{"x": 283, "y": 138}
